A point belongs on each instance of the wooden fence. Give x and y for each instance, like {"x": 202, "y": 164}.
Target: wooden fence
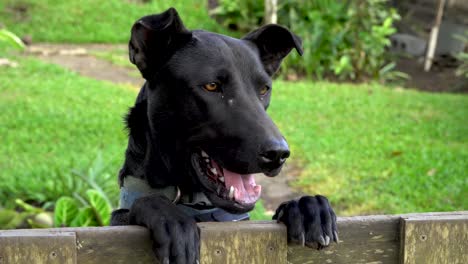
{"x": 413, "y": 238}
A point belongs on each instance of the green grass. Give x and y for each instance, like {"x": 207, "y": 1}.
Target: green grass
{"x": 89, "y": 21}
{"x": 117, "y": 56}
{"x": 54, "y": 124}
{"x": 377, "y": 150}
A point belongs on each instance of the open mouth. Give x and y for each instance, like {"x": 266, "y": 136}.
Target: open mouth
{"x": 230, "y": 186}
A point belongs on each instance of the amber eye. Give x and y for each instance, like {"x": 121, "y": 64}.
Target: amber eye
{"x": 264, "y": 90}
{"x": 211, "y": 87}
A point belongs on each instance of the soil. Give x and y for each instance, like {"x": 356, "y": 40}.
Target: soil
{"x": 441, "y": 77}
{"x": 79, "y": 58}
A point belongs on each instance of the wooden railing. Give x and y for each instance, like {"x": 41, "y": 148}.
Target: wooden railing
{"x": 413, "y": 238}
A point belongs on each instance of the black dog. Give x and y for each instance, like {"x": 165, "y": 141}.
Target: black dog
{"x": 199, "y": 131}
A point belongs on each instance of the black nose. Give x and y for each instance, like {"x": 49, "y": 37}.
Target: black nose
{"x": 274, "y": 154}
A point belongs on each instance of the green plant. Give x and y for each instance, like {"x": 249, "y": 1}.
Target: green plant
{"x": 239, "y": 15}
{"x": 462, "y": 69}
{"x": 341, "y": 39}
{"x": 388, "y": 74}
{"x": 90, "y": 204}
{"x": 10, "y": 39}
{"x": 92, "y": 210}
{"x": 26, "y": 215}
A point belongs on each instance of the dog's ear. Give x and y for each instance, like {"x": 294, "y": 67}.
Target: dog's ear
{"x": 155, "y": 38}
{"x": 274, "y": 42}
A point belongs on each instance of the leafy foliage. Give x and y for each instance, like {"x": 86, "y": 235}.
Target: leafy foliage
{"x": 462, "y": 69}
{"x": 239, "y": 15}
{"x": 66, "y": 210}
{"x": 26, "y": 215}
{"x": 90, "y": 207}
{"x": 101, "y": 206}
{"x": 10, "y": 219}
{"x": 342, "y": 39}
{"x": 95, "y": 210}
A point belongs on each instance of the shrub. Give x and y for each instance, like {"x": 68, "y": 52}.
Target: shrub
{"x": 462, "y": 69}
{"x": 94, "y": 210}
{"x": 342, "y": 39}
{"x": 241, "y": 15}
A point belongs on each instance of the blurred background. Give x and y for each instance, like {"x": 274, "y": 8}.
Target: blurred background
{"x": 375, "y": 111}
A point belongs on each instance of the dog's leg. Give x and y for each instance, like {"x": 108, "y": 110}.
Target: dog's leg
{"x": 310, "y": 221}
{"x": 119, "y": 217}
{"x": 176, "y": 236}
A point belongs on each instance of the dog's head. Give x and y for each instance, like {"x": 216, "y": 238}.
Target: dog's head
{"x": 205, "y": 105}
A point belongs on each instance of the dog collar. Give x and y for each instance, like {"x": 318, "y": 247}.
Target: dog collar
{"x": 134, "y": 188}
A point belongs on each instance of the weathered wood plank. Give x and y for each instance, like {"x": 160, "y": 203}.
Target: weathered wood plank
{"x": 39, "y": 247}
{"x": 234, "y": 242}
{"x": 362, "y": 240}
{"x": 435, "y": 239}
{"x": 113, "y": 245}
{"x": 366, "y": 239}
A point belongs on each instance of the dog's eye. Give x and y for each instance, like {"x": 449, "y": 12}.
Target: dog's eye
{"x": 211, "y": 87}
{"x": 264, "y": 90}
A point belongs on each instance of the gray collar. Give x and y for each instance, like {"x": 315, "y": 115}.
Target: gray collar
{"x": 134, "y": 188}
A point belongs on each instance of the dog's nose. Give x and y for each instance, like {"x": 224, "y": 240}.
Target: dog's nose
{"x": 274, "y": 154}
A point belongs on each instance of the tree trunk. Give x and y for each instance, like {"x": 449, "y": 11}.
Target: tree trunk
{"x": 271, "y": 7}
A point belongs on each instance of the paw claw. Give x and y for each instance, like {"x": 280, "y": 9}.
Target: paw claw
{"x": 303, "y": 239}
{"x": 335, "y": 237}
{"x": 327, "y": 240}
{"x": 321, "y": 240}
{"x": 166, "y": 261}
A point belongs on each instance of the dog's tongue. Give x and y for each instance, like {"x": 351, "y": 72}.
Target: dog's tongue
{"x": 247, "y": 191}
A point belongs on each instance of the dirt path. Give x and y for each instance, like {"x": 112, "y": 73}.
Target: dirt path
{"x": 80, "y": 58}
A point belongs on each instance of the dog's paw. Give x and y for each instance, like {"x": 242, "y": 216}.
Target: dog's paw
{"x": 119, "y": 217}
{"x": 176, "y": 236}
{"x": 310, "y": 221}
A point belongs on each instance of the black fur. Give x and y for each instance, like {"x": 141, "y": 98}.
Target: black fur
{"x": 174, "y": 117}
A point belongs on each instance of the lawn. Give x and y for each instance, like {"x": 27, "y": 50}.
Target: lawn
{"x": 371, "y": 149}
{"x": 374, "y": 149}
{"x": 87, "y": 21}
{"x": 54, "y": 126}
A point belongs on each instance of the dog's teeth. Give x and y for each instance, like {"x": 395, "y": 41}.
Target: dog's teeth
{"x": 203, "y": 153}
{"x": 221, "y": 179}
{"x": 214, "y": 171}
{"x": 231, "y": 192}
{"x": 207, "y": 160}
